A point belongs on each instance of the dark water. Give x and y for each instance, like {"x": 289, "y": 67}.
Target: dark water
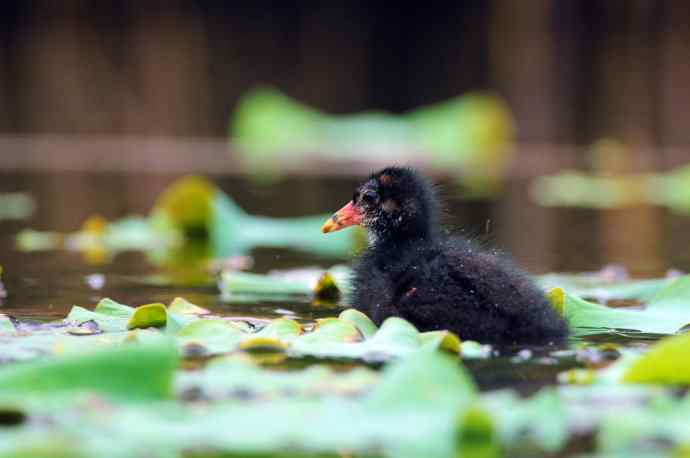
{"x": 45, "y": 285}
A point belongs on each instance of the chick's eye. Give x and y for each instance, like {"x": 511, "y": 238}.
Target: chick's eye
{"x": 369, "y": 198}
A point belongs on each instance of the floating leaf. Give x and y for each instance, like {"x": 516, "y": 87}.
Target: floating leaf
{"x": 443, "y": 340}
{"x": 234, "y": 282}
{"x": 333, "y": 329}
{"x": 666, "y": 362}
{"x": 556, "y": 297}
{"x": 283, "y": 414}
{"x": 215, "y": 335}
{"x": 147, "y": 316}
{"x": 132, "y": 372}
{"x": 282, "y": 329}
{"x": 326, "y": 289}
{"x": 110, "y": 316}
{"x": 105, "y": 322}
{"x": 317, "y": 284}
{"x": 6, "y": 326}
{"x": 183, "y": 307}
{"x": 363, "y": 323}
{"x": 330, "y": 338}
{"x": 395, "y": 338}
{"x": 593, "y": 286}
{"x": 665, "y": 313}
{"x": 109, "y": 307}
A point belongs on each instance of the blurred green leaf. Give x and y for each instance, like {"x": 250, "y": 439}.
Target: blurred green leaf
{"x": 666, "y": 362}
{"x": 6, "y": 326}
{"x": 315, "y": 284}
{"x": 471, "y": 133}
{"x": 147, "y": 316}
{"x": 131, "y": 372}
{"x": 193, "y": 221}
{"x": 16, "y": 205}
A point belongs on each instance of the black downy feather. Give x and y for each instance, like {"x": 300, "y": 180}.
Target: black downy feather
{"x": 436, "y": 282}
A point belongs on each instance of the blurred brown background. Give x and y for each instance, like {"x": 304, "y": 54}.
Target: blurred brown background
{"x": 573, "y": 71}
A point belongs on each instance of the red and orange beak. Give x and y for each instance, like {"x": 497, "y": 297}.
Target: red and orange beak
{"x": 349, "y": 215}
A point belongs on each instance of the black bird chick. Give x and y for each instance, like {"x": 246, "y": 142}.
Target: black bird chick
{"x": 410, "y": 271}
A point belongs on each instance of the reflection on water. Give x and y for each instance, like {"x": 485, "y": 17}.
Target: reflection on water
{"x": 45, "y": 285}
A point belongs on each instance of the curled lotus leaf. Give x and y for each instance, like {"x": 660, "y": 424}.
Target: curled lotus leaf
{"x": 363, "y": 323}
{"x": 148, "y": 316}
{"x": 326, "y": 288}
{"x": 556, "y": 297}
{"x": 442, "y": 340}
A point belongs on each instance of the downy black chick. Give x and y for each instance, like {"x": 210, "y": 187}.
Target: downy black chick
{"x": 409, "y": 270}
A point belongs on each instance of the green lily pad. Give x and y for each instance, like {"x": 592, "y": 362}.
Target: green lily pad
{"x": 443, "y": 340}
{"x": 664, "y": 313}
{"x": 363, "y": 323}
{"x": 594, "y": 287}
{"x": 109, "y": 307}
{"x": 282, "y": 329}
{"x": 148, "y": 316}
{"x": 321, "y": 285}
{"x": 6, "y": 326}
{"x": 666, "y": 362}
{"x": 182, "y": 306}
{"x": 132, "y": 372}
{"x": 107, "y": 323}
{"x": 271, "y": 412}
{"x": 235, "y": 282}
{"x": 215, "y": 335}
{"x": 395, "y": 338}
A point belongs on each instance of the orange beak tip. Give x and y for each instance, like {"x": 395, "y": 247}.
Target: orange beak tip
{"x": 346, "y": 216}
{"x": 329, "y": 226}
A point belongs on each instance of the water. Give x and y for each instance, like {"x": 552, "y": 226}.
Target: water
{"x": 44, "y": 286}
